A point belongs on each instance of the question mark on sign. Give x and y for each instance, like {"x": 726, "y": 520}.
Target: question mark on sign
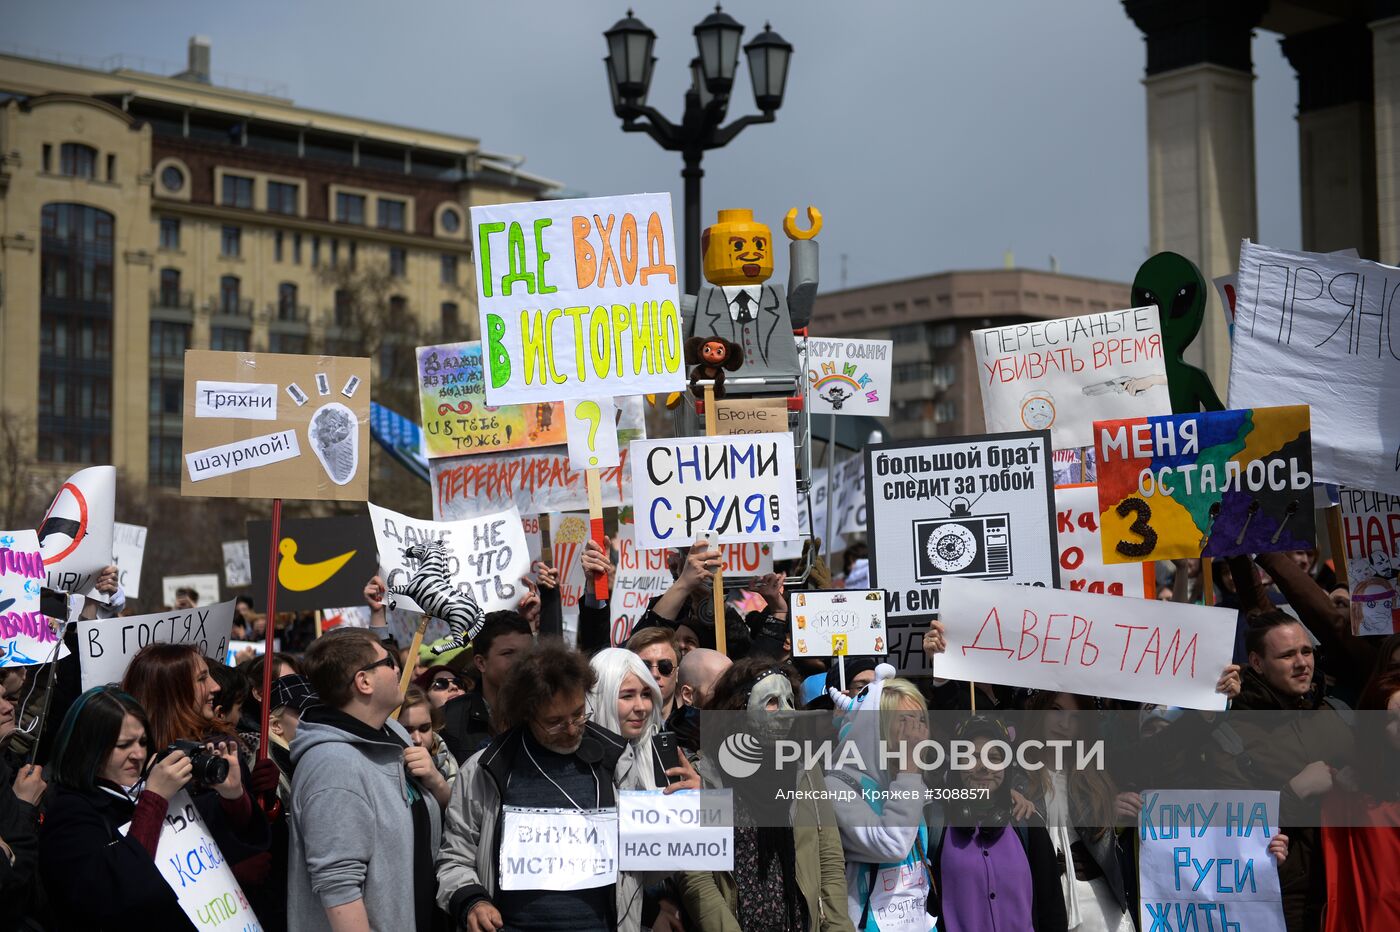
{"x": 592, "y": 437}
{"x": 588, "y": 411}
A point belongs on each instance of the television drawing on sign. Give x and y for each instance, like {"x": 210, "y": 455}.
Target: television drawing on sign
{"x": 962, "y": 544}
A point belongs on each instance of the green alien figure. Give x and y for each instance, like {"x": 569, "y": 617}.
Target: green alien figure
{"x": 1175, "y": 285}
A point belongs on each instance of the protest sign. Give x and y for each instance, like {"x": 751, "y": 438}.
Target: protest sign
{"x": 1081, "y": 551}
{"x": 258, "y": 425}
{"x": 1214, "y": 484}
{"x": 740, "y": 488}
{"x": 456, "y": 419}
{"x": 189, "y": 860}
{"x": 486, "y": 556}
{"x": 603, "y": 319}
{"x": 1161, "y": 652}
{"x": 128, "y": 553}
{"x": 205, "y": 585}
{"x": 1066, "y": 373}
{"x": 851, "y": 505}
{"x": 320, "y": 561}
{"x": 592, "y": 437}
{"x": 258, "y": 648}
{"x": 1371, "y": 535}
{"x": 557, "y": 849}
{"x": 1321, "y": 331}
{"x": 238, "y": 570}
{"x": 750, "y": 416}
{"x": 106, "y": 645}
{"x": 568, "y": 533}
{"x": 1205, "y": 861}
{"x": 688, "y": 830}
{"x": 26, "y": 635}
{"x": 75, "y": 536}
{"x": 838, "y": 622}
{"x": 534, "y": 541}
{"x": 641, "y": 575}
{"x": 849, "y": 376}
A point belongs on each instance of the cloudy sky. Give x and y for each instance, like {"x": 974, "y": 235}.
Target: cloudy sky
{"x": 932, "y": 135}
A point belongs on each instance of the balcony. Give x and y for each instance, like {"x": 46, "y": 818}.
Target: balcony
{"x": 277, "y": 312}
{"x": 172, "y": 305}
{"x": 228, "y": 307}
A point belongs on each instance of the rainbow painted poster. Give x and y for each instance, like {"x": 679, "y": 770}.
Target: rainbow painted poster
{"x": 1216, "y": 484}
{"x": 456, "y": 419}
{"x": 849, "y": 376}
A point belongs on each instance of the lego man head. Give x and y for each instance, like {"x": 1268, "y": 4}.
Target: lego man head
{"x": 738, "y": 250}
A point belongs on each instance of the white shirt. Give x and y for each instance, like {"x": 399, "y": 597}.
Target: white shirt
{"x": 731, "y": 294}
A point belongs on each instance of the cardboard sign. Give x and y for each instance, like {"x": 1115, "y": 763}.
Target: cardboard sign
{"x": 641, "y": 576}
{"x": 26, "y": 635}
{"x": 592, "y": 436}
{"x": 750, "y": 416}
{"x": 1215, "y": 484}
{"x": 238, "y": 570}
{"x": 1204, "y": 860}
{"x": 568, "y": 535}
{"x": 849, "y": 376}
{"x": 740, "y": 488}
{"x": 1081, "y": 550}
{"x": 533, "y": 538}
{"x": 456, "y": 419}
{"x": 205, "y": 585}
{"x": 128, "y": 553}
{"x": 1321, "y": 331}
{"x": 75, "y": 536}
{"x": 687, "y": 830}
{"x": 839, "y": 622}
{"x": 557, "y": 849}
{"x": 1371, "y": 532}
{"x": 1161, "y": 652}
{"x": 321, "y": 562}
{"x": 851, "y": 503}
{"x": 487, "y": 555}
{"x": 578, "y": 298}
{"x": 314, "y": 444}
{"x": 1066, "y": 373}
{"x": 106, "y": 645}
{"x": 190, "y": 861}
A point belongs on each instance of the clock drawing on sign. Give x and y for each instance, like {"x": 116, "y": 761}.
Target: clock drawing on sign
{"x": 962, "y": 544}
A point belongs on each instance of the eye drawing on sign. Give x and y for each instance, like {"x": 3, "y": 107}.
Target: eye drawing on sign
{"x": 334, "y": 437}
{"x": 1038, "y": 410}
{"x": 962, "y": 544}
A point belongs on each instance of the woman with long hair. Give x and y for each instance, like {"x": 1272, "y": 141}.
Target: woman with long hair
{"x": 626, "y": 700}
{"x": 106, "y": 808}
{"x": 423, "y": 722}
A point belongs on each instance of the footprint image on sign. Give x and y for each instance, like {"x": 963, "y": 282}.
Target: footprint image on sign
{"x": 335, "y": 436}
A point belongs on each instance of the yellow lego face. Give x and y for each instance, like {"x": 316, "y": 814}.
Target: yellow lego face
{"x": 738, "y": 250}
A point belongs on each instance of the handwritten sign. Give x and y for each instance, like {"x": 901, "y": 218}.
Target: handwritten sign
{"x": 1205, "y": 862}
{"x": 687, "y": 830}
{"x": 456, "y": 418}
{"x": 205, "y": 586}
{"x": 1065, "y": 373}
{"x": 1215, "y": 484}
{"x": 750, "y": 416}
{"x": 836, "y": 622}
{"x": 740, "y": 488}
{"x": 558, "y": 849}
{"x": 487, "y": 554}
{"x": 1081, "y": 552}
{"x": 963, "y": 507}
{"x": 190, "y": 861}
{"x": 1371, "y": 532}
{"x": 578, "y": 298}
{"x": 26, "y": 636}
{"x": 106, "y": 646}
{"x": 849, "y": 376}
{"x": 641, "y": 575}
{"x": 128, "y": 553}
{"x": 238, "y": 571}
{"x": 75, "y": 535}
{"x": 592, "y": 438}
{"x": 1160, "y": 652}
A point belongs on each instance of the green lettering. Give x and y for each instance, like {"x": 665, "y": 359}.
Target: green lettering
{"x": 515, "y": 237}
{"x": 496, "y": 356}
{"x": 540, "y": 255}
{"x": 483, "y": 248}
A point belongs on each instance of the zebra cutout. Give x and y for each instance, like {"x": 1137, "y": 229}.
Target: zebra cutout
{"x": 436, "y": 596}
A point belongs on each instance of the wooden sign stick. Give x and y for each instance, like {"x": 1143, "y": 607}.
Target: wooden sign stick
{"x": 406, "y": 677}
{"x": 1337, "y": 544}
{"x": 1207, "y": 582}
{"x": 593, "y": 479}
{"x": 711, "y": 430}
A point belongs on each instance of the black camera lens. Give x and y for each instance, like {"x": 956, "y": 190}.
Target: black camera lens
{"x": 208, "y": 769}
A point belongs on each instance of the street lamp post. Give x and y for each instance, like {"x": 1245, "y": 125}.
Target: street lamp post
{"x": 717, "y": 36}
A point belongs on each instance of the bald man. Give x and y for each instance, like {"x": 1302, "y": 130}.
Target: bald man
{"x": 700, "y": 669}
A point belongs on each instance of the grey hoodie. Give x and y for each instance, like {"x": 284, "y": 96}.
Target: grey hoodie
{"x": 350, "y": 806}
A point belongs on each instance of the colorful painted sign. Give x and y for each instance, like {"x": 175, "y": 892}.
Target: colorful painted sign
{"x": 457, "y": 421}
{"x": 838, "y": 623}
{"x": 1081, "y": 550}
{"x": 26, "y": 636}
{"x": 849, "y": 376}
{"x": 1371, "y": 535}
{"x": 578, "y": 298}
{"x": 1214, "y": 484}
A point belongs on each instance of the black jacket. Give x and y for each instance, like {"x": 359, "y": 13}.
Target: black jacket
{"x": 466, "y": 725}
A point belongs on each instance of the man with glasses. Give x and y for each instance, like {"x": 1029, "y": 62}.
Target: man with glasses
{"x": 353, "y": 798}
{"x": 527, "y": 838}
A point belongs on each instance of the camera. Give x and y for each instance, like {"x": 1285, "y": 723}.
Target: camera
{"x": 208, "y": 768}
{"x": 962, "y": 545}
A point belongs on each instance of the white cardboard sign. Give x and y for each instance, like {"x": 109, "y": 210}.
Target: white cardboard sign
{"x": 1161, "y": 652}
{"x": 687, "y": 830}
{"x": 248, "y": 401}
{"x": 190, "y": 861}
{"x": 242, "y": 454}
{"x": 76, "y": 533}
{"x": 591, "y": 432}
{"x": 238, "y": 570}
{"x": 558, "y": 849}
{"x": 128, "y": 553}
{"x": 849, "y": 376}
{"x": 205, "y": 585}
{"x": 1081, "y": 549}
{"x": 838, "y": 622}
{"x": 106, "y": 646}
{"x": 1371, "y": 536}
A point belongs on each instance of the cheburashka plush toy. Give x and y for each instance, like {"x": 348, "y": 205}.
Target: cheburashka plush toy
{"x": 711, "y": 357}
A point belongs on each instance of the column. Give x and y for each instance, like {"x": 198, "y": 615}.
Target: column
{"x": 1336, "y": 137}
{"x": 1385, "y": 35}
{"x": 1200, "y": 141}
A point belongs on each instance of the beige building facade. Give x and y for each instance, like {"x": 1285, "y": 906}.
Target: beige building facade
{"x": 143, "y": 215}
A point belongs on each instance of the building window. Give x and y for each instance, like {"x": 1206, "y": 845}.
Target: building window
{"x": 231, "y": 243}
{"x": 908, "y": 333}
{"x": 296, "y": 249}
{"x": 451, "y": 319}
{"x": 335, "y": 253}
{"x": 172, "y": 178}
{"x": 277, "y": 246}
{"x": 77, "y": 160}
{"x": 169, "y": 340}
{"x": 945, "y": 412}
{"x": 945, "y": 335}
{"x": 165, "y": 460}
{"x": 46, "y": 163}
{"x": 945, "y": 374}
{"x": 169, "y": 288}
{"x": 344, "y": 308}
{"x": 294, "y": 343}
{"x": 281, "y": 197}
{"x": 169, "y": 232}
{"x": 228, "y": 339}
{"x": 449, "y": 269}
{"x": 167, "y": 396}
{"x": 238, "y": 191}
{"x": 398, "y": 261}
{"x": 451, "y": 220}
{"x": 75, "y": 334}
{"x": 391, "y": 214}
{"x": 315, "y": 252}
{"x": 350, "y": 208}
{"x": 229, "y": 294}
{"x": 287, "y": 301}
{"x": 111, "y": 167}
{"x": 352, "y": 253}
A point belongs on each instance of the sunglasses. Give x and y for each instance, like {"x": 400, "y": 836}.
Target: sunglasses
{"x": 446, "y": 682}
{"x": 664, "y": 667}
{"x": 388, "y": 660}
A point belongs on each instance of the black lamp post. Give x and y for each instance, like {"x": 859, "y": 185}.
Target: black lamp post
{"x": 717, "y": 36}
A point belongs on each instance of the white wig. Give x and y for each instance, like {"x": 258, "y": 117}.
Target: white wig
{"x": 612, "y": 666}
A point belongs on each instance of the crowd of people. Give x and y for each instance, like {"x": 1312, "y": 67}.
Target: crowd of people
{"x": 342, "y": 802}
